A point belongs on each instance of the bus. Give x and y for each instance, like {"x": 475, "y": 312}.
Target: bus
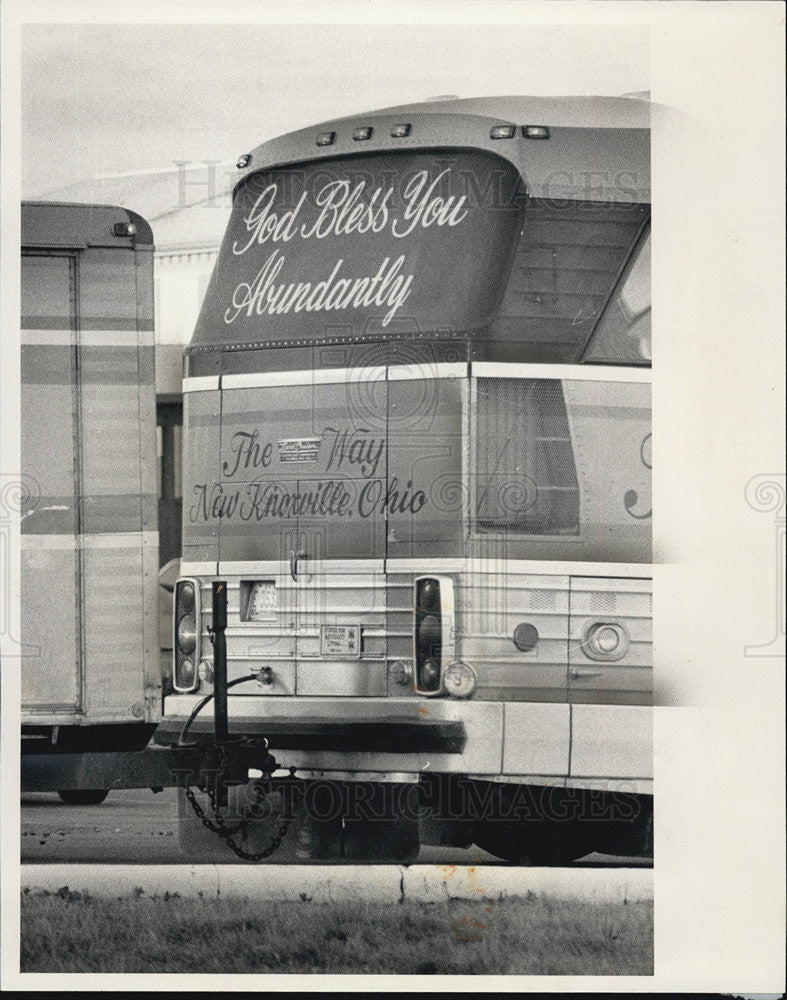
{"x": 416, "y": 549}
{"x": 90, "y": 659}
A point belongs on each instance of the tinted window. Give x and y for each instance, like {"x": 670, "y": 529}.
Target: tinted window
{"x": 568, "y": 259}
{"x": 525, "y": 480}
{"x": 623, "y": 334}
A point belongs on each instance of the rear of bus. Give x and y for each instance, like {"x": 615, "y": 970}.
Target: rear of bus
{"x": 417, "y": 449}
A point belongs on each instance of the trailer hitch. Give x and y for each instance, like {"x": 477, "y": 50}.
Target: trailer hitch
{"x": 226, "y": 760}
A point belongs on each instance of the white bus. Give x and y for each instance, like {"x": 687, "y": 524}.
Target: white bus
{"x": 416, "y": 446}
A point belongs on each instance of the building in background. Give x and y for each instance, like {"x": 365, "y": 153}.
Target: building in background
{"x": 187, "y": 205}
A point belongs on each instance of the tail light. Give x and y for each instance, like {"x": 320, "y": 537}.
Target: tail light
{"x": 186, "y": 637}
{"x": 434, "y": 632}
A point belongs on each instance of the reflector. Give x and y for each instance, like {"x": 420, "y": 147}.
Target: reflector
{"x": 460, "y": 680}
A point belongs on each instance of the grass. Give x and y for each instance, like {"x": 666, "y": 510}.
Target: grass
{"x": 72, "y": 932}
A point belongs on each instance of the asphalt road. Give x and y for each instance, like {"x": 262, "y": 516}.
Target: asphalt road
{"x": 138, "y": 826}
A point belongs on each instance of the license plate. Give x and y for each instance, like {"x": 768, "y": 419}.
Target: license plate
{"x": 342, "y": 641}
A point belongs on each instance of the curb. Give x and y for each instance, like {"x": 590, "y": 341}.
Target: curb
{"x": 327, "y": 883}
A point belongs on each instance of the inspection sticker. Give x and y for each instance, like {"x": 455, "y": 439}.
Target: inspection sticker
{"x": 342, "y": 641}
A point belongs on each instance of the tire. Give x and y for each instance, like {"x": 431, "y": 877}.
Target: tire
{"x": 84, "y": 796}
{"x": 544, "y": 844}
{"x": 550, "y": 827}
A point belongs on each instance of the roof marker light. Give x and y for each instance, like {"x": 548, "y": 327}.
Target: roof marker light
{"x": 243, "y": 161}
{"x": 502, "y": 132}
{"x": 362, "y": 133}
{"x": 124, "y": 229}
{"x": 326, "y": 138}
{"x": 535, "y": 131}
{"x": 400, "y": 131}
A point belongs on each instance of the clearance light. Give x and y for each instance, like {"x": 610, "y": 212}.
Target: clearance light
{"x": 400, "y": 131}
{"x": 124, "y": 229}
{"x": 326, "y": 138}
{"x": 502, "y": 132}
{"x": 243, "y": 161}
{"x": 535, "y": 131}
{"x": 362, "y": 133}
{"x": 460, "y": 680}
{"x": 605, "y": 641}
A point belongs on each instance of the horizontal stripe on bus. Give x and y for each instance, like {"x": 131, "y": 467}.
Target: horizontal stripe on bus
{"x": 306, "y": 567}
{"x": 105, "y": 514}
{"x": 35, "y": 322}
{"x": 330, "y": 376}
{"x": 586, "y": 373}
{"x": 54, "y": 365}
{"x": 201, "y": 383}
{"x": 425, "y": 370}
{"x": 482, "y": 369}
{"x": 90, "y": 338}
{"x": 197, "y": 568}
{"x": 313, "y": 376}
{"x": 420, "y": 567}
{"x": 129, "y": 540}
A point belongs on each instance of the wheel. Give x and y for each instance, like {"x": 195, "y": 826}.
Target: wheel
{"x": 84, "y": 796}
{"x": 533, "y": 825}
{"x": 544, "y": 844}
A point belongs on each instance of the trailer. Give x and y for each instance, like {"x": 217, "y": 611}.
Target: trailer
{"x": 89, "y": 533}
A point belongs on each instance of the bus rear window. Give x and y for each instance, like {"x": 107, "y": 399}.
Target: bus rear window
{"x": 525, "y": 479}
{"x": 623, "y": 334}
{"x": 568, "y": 259}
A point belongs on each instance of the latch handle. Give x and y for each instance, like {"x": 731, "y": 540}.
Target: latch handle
{"x": 294, "y": 557}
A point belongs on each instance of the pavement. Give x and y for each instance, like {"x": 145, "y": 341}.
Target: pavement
{"x": 136, "y": 826}
{"x": 128, "y": 846}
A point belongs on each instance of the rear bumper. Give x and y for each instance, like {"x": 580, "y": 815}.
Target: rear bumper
{"x": 371, "y": 736}
{"x": 556, "y": 741}
{"x": 408, "y": 735}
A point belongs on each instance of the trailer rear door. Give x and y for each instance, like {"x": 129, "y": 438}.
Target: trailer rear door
{"x": 51, "y": 580}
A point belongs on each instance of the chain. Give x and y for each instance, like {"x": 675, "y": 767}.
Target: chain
{"x": 227, "y": 833}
